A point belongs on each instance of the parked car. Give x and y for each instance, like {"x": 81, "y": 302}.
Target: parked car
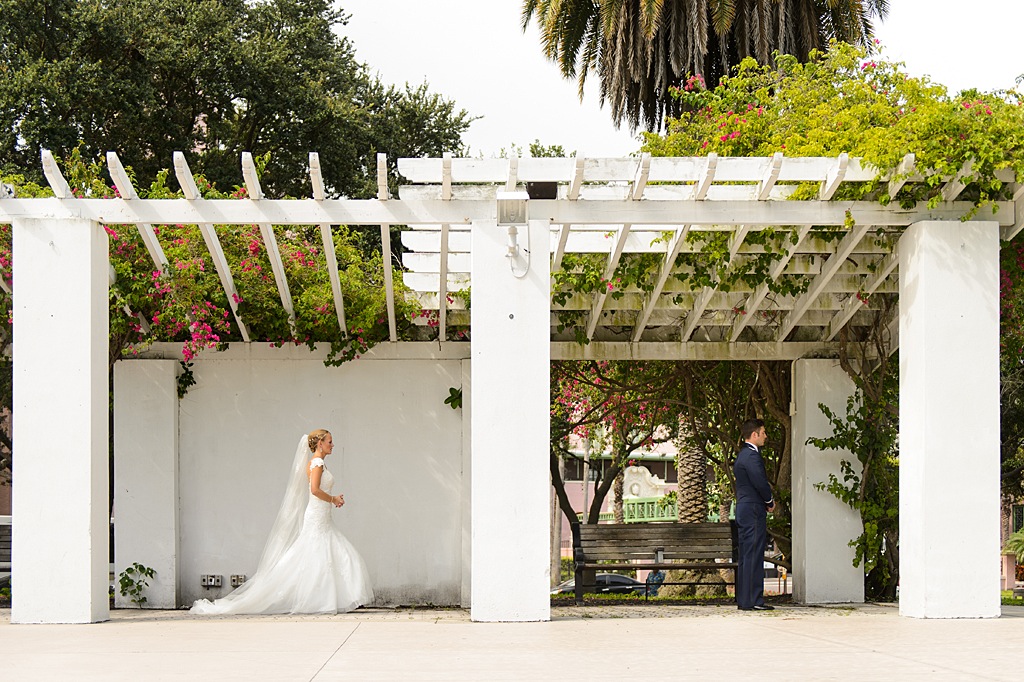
{"x": 607, "y": 583}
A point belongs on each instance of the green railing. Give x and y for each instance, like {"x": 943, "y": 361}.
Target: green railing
{"x": 642, "y": 510}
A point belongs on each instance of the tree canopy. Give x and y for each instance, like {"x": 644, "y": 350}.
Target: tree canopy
{"x": 211, "y": 78}
{"x": 640, "y": 49}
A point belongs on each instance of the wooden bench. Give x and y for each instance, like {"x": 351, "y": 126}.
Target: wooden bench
{"x": 668, "y": 546}
{"x": 5, "y": 548}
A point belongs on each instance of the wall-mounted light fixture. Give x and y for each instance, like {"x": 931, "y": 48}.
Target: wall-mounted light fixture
{"x": 513, "y": 213}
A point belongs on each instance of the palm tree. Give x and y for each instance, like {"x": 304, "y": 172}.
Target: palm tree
{"x": 641, "y": 48}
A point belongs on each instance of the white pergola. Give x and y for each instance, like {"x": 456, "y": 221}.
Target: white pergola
{"x": 461, "y": 215}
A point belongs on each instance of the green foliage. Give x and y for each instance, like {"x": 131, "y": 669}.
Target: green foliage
{"x": 1015, "y": 544}
{"x": 870, "y": 431}
{"x": 454, "y": 399}
{"x": 842, "y": 100}
{"x": 186, "y": 379}
{"x": 211, "y": 78}
{"x": 133, "y": 581}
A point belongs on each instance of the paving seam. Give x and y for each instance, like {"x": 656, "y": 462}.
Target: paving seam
{"x": 335, "y": 653}
{"x": 772, "y": 626}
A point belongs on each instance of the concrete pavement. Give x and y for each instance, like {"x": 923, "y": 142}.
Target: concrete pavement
{"x": 863, "y": 642}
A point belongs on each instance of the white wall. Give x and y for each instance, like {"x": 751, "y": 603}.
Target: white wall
{"x": 146, "y": 477}
{"x": 398, "y": 459}
{"x": 823, "y": 570}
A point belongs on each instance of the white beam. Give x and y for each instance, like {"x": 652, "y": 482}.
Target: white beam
{"x": 255, "y": 192}
{"x": 213, "y": 245}
{"x": 666, "y": 270}
{"x": 434, "y": 212}
{"x": 705, "y": 177}
{"x": 952, "y": 189}
{"x": 511, "y": 180}
{"x": 834, "y": 178}
{"x": 1008, "y": 232}
{"x": 128, "y": 193}
{"x": 54, "y": 177}
{"x": 316, "y": 179}
{"x": 643, "y": 171}
{"x": 831, "y": 267}
{"x": 693, "y": 318}
{"x": 901, "y": 175}
{"x": 855, "y": 302}
{"x": 575, "y": 185}
{"x": 694, "y": 350}
{"x": 385, "y": 244}
{"x": 771, "y": 175}
{"x": 753, "y": 302}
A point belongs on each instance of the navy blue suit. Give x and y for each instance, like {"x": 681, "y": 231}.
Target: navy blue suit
{"x": 753, "y": 497}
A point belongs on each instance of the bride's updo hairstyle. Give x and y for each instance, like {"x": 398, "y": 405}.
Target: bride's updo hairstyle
{"x": 315, "y": 437}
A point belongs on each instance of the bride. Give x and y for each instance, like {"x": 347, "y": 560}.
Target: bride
{"x": 307, "y": 566}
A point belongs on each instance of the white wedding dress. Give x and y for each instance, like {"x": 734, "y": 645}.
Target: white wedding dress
{"x": 317, "y": 571}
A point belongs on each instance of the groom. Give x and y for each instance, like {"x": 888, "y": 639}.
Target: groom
{"x": 753, "y": 502}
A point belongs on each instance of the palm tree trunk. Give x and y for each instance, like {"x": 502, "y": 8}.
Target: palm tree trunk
{"x": 691, "y": 470}
{"x": 620, "y": 477}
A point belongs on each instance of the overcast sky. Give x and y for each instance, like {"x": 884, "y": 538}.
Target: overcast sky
{"x": 474, "y": 52}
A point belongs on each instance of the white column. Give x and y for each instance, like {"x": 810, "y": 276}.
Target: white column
{"x": 466, "y": 486}
{"x": 146, "y": 476}
{"x": 823, "y": 570}
{"x": 510, "y": 426}
{"x": 60, "y": 510}
{"x": 949, "y": 420}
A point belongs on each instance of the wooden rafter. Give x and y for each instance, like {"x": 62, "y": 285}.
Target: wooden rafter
{"x": 828, "y": 271}
{"x": 442, "y": 254}
{"x": 255, "y": 192}
{"x": 575, "y": 185}
{"x": 753, "y": 302}
{"x": 385, "y": 244}
{"x": 666, "y": 269}
{"x": 128, "y": 193}
{"x": 213, "y": 245}
{"x": 856, "y": 302}
{"x": 636, "y": 192}
{"x": 901, "y": 175}
{"x": 316, "y": 179}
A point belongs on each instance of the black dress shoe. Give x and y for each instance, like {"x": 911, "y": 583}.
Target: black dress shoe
{"x": 756, "y": 607}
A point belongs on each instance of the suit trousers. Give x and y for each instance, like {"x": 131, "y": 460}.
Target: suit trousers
{"x": 752, "y": 529}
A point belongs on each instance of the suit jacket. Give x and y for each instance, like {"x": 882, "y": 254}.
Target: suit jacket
{"x": 752, "y": 485}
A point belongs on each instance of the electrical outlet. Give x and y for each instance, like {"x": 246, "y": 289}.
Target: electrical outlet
{"x": 237, "y": 580}
{"x": 207, "y": 580}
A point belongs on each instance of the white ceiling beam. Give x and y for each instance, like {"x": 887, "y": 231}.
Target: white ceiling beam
{"x": 1008, "y": 232}
{"x": 705, "y": 177}
{"x": 255, "y": 192}
{"x": 635, "y": 194}
{"x": 834, "y": 178}
{"x": 191, "y": 192}
{"x": 575, "y": 185}
{"x": 901, "y": 175}
{"x": 54, "y": 177}
{"x": 719, "y": 214}
{"x": 700, "y": 350}
{"x": 753, "y": 302}
{"x": 316, "y": 179}
{"x": 383, "y": 192}
{"x": 831, "y": 267}
{"x": 771, "y": 176}
{"x": 693, "y": 317}
{"x": 856, "y": 301}
{"x": 952, "y": 189}
{"x": 512, "y": 179}
{"x": 385, "y": 244}
{"x": 446, "y": 195}
{"x": 128, "y": 193}
{"x": 643, "y": 172}
{"x": 666, "y": 269}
